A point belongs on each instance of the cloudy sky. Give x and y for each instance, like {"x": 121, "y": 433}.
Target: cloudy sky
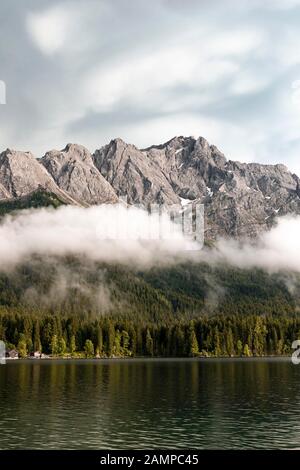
{"x": 86, "y": 71}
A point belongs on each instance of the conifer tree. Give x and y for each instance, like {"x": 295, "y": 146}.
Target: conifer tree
{"x": 89, "y": 348}
{"x": 54, "y": 346}
{"x": 193, "y": 346}
{"x": 149, "y": 343}
{"x": 73, "y": 345}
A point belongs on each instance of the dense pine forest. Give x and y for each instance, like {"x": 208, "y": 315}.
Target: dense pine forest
{"x": 71, "y": 307}
{"x": 77, "y": 286}
{"x": 112, "y": 337}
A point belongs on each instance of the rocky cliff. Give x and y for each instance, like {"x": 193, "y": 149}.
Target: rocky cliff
{"x": 240, "y": 199}
{"x": 74, "y": 172}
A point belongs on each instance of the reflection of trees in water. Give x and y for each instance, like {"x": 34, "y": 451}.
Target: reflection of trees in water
{"x": 211, "y": 402}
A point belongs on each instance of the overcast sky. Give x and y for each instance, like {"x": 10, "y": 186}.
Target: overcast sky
{"x": 88, "y": 71}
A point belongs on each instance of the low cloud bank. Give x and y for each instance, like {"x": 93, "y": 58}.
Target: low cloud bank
{"x": 130, "y": 236}
{"x": 100, "y": 233}
{"x": 278, "y": 249}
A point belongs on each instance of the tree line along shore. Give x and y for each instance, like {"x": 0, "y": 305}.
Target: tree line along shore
{"x": 108, "y": 336}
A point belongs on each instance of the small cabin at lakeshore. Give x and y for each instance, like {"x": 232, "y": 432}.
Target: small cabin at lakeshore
{"x": 36, "y": 354}
{"x": 12, "y": 354}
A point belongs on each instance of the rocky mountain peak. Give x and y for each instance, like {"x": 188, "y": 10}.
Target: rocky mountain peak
{"x": 175, "y": 142}
{"x": 131, "y": 173}
{"x": 20, "y": 174}
{"x": 240, "y": 199}
{"x": 76, "y": 151}
{"x": 74, "y": 171}
{"x": 118, "y": 141}
{"x": 118, "y": 145}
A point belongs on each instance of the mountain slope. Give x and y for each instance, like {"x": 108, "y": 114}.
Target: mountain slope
{"x": 240, "y": 200}
{"x": 74, "y": 172}
{"x": 64, "y": 285}
{"x": 131, "y": 173}
{"x": 21, "y": 174}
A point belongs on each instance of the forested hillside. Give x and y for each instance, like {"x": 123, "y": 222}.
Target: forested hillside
{"x": 38, "y": 198}
{"x": 68, "y": 306}
{"x": 75, "y": 286}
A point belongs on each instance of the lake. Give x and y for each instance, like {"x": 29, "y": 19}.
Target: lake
{"x": 150, "y": 404}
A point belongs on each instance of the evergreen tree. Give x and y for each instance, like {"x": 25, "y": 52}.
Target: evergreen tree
{"x": 239, "y": 347}
{"x": 54, "y": 346}
{"x": 110, "y": 339}
{"x": 217, "y": 342}
{"x": 193, "y": 346}
{"x": 149, "y": 343}
{"x": 62, "y": 346}
{"x": 37, "y": 346}
{"x": 73, "y": 345}
{"x": 125, "y": 340}
{"x": 259, "y": 336}
{"x": 229, "y": 342}
{"x": 89, "y": 348}
{"x": 280, "y": 346}
{"x": 99, "y": 341}
{"x": 22, "y": 346}
{"x": 117, "y": 343}
{"x": 246, "y": 351}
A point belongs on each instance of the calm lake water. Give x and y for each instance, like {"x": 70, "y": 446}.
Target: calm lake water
{"x": 150, "y": 404}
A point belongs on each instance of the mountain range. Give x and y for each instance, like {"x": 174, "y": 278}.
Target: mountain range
{"x": 240, "y": 199}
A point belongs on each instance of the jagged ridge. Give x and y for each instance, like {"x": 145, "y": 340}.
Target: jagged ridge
{"x": 240, "y": 199}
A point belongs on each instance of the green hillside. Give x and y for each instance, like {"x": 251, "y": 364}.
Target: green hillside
{"x": 39, "y": 198}
{"x": 180, "y": 291}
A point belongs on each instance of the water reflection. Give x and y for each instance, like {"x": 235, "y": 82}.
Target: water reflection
{"x": 150, "y": 404}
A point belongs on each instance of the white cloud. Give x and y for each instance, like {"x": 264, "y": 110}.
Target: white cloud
{"x": 247, "y": 82}
{"x": 279, "y": 4}
{"x": 136, "y": 79}
{"x": 49, "y": 29}
{"x": 278, "y": 249}
{"x": 117, "y": 234}
{"x": 234, "y": 43}
{"x": 245, "y": 5}
{"x": 186, "y": 60}
{"x": 99, "y": 233}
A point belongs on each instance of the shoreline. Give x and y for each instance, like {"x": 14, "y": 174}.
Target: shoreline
{"x": 147, "y": 358}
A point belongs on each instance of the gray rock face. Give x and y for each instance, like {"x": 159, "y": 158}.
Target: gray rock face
{"x": 74, "y": 172}
{"x": 133, "y": 174}
{"x": 21, "y": 173}
{"x": 240, "y": 199}
{"x": 189, "y": 165}
{"x": 4, "y": 194}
